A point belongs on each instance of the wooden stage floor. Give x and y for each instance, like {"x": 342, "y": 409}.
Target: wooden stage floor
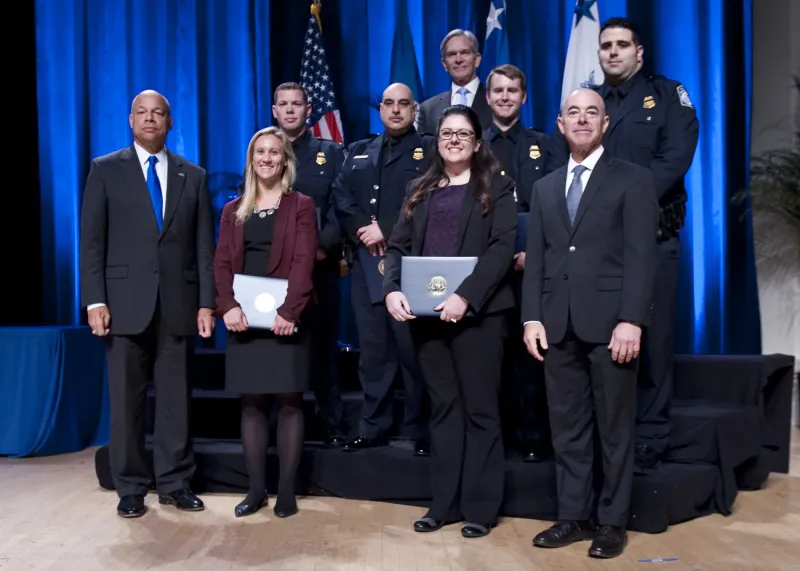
{"x": 54, "y": 516}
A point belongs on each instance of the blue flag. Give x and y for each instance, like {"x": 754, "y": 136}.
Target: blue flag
{"x": 495, "y": 46}
{"x": 404, "y": 58}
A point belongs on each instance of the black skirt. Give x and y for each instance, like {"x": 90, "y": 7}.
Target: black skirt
{"x": 256, "y": 360}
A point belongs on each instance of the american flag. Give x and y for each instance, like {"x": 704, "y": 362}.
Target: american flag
{"x": 325, "y": 121}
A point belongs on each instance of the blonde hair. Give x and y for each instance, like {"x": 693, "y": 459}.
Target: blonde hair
{"x": 251, "y": 180}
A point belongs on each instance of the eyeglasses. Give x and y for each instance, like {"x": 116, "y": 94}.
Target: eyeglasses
{"x": 463, "y": 134}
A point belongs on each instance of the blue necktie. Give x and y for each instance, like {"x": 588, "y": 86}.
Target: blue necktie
{"x": 462, "y": 91}
{"x": 575, "y": 192}
{"x": 154, "y": 186}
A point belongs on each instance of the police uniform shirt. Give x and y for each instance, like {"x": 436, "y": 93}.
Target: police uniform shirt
{"x": 504, "y": 146}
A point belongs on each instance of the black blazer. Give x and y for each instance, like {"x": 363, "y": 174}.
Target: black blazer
{"x": 490, "y": 237}
{"x": 599, "y": 271}
{"x": 127, "y": 263}
{"x": 431, "y": 109}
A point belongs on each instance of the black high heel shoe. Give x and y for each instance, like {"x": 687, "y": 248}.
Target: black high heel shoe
{"x": 249, "y": 507}
{"x": 285, "y": 508}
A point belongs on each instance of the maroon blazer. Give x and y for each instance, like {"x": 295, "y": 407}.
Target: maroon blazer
{"x": 292, "y": 255}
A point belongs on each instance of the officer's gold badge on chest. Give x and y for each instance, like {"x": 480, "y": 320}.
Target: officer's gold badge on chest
{"x": 418, "y": 156}
{"x": 534, "y": 152}
{"x": 649, "y": 102}
{"x": 321, "y": 160}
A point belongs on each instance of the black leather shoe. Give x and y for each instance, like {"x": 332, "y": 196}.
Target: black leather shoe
{"x": 361, "y": 443}
{"x": 131, "y": 506}
{"x": 427, "y": 524}
{"x": 647, "y": 459}
{"x": 532, "y": 456}
{"x": 335, "y": 440}
{"x": 610, "y": 541}
{"x": 422, "y": 447}
{"x": 564, "y": 533}
{"x": 182, "y": 499}
{"x": 472, "y": 530}
{"x": 250, "y": 506}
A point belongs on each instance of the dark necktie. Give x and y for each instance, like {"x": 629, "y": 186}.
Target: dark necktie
{"x": 154, "y": 186}
{"x": 575, "y": 192}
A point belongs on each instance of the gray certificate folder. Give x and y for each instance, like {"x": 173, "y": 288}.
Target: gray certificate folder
{"x": 427, "y": 281}
{"x": 259, "y": 298}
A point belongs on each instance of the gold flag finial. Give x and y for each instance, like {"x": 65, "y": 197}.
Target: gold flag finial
{"x": 316, "y": 8}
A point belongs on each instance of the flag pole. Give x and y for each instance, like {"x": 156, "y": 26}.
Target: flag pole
{"x": 316, "y": 8}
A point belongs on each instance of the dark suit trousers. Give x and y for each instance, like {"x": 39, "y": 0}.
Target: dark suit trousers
{"x": 132, "y": 361}
{"x": 461, "y": 364}
{"x": 523, "y": 396}
{"x": 654, "y": 394}
{"x": 385, "y": 349}
{"x": 323, "y": 319}
{"x": 587, "y": 391}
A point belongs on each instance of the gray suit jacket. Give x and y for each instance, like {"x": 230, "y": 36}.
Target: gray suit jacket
{"x": 128, "y": 264}
{"x": 431, "y": 109}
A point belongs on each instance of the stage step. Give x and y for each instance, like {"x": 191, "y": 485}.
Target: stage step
{"x": 675, "y": 493}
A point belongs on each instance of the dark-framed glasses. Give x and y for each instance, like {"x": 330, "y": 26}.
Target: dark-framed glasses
{"x": 462, "y": 134}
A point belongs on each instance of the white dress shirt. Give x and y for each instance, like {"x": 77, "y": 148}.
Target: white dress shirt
{"x": 472, "y": 86}
{"x": 589, "y": 162}
{"x": 161, "y": 172}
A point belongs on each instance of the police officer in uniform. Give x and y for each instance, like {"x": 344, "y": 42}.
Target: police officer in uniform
{"x": 369, "y": 193}
{"x": 653, "y": 124}
{"x": 526, "y": 156}
{"x": 318, "y": 163}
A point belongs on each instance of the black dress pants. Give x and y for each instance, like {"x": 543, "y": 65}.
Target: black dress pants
{"x": 132, "y": 361}
{"x": 590, "y": 394}
{"x": 386, "y": 349}
{"x": 654, "y": 393}
{"x": 323, "y": 318}
{"x": 461, "y": 364}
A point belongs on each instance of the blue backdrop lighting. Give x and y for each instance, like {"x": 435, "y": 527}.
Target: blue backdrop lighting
{"x": 218, "y": 60}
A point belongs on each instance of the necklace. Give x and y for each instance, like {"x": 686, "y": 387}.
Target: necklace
{"x": 268, "y": 212}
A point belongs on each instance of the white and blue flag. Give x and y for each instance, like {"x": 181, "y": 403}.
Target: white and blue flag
{"x": 582, "y": 68}
{"x": 495, "y": 46}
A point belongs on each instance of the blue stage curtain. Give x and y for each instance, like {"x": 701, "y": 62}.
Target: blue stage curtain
{"x": 217, "y": 61}
{"x": 53, "y": 391}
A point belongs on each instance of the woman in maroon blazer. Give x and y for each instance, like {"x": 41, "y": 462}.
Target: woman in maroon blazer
{"x": 270, "y": 231}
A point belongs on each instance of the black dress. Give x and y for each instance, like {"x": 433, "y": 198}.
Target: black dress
{"x": 257, "y": 361}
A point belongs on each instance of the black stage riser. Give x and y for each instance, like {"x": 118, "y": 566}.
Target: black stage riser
{"x": 676, "y": 493}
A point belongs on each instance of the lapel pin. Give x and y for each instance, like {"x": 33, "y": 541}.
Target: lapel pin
{"x": 181, "y": 174}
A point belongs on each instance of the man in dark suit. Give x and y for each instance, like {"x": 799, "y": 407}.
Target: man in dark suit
{"x": 653, "y": 124}
{"x": 369, "y": 193}
{"x": 460, "y": 59}
{"x": 147, "y": 279}
{"x": 586, "y": 298}
{"x": 318, "y": 163}
{"x": 525, "y": 156}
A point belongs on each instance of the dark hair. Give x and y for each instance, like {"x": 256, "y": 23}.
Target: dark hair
{"x": 484, "y": 165}
{"x": 512, "y": 72}
{"x": 623, "y": 23}
{"x": 290, "y": 86}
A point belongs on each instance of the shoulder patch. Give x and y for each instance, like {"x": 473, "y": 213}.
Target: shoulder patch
{"x": 683, "y": 95}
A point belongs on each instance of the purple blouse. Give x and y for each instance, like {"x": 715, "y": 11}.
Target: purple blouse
{"x": 444, "y": 217}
